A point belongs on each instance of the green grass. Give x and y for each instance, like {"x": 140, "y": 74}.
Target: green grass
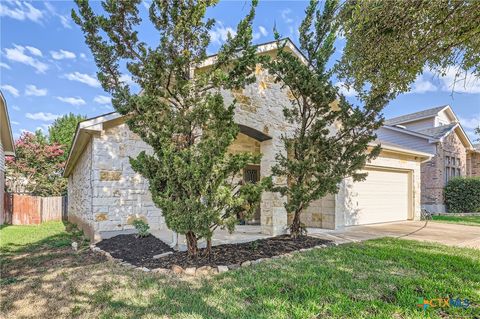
{"x": 15, "y": 238}
{"x": 464, "y": 220}
{"x": 380, "y": 278}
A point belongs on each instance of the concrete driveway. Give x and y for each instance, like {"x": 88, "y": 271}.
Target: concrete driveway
{"x": 443, "y": 233}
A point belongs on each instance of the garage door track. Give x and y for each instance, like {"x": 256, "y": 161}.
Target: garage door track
{"x": 443, "y": 233}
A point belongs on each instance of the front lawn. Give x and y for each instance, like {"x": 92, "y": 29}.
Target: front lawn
{"x": 464, "y": 220}
{"x": 375, "y": 279}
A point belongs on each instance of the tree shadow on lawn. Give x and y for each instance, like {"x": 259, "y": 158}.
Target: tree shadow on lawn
{"x": 376, "y": 278}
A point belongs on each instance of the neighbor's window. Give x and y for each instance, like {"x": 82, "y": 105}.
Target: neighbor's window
{"x": 452, "y": 167}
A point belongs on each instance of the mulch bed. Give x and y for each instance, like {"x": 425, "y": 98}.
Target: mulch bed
{"x": 133, "y": 250}
{"x": 139, "y": 251}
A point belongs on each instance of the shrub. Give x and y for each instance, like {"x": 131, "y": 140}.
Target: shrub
{"x": 462, "y": 195}
{"x": 142, "y": 227}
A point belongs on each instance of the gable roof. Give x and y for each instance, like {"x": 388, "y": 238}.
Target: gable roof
{"x": 439, "y": 131}
{"x": 6, "y": 137}
{"x": 416, "y": 116}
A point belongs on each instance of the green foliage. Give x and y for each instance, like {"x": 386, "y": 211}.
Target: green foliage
{"x": 389, "y": 43}
{"x": 181, "y": 113}
{"x": 331, "y": 137}
{"x": 462, "y": 195}
{"x": 142, "y": 227}
{"x": 62, "y": 131}
{"x": 37, "y": 166}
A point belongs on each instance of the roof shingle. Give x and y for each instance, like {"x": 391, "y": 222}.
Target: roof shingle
{"x": 439, "y": 131}
{"x": 414, "y": 116}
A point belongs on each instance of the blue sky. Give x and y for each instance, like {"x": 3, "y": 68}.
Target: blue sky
{"x": 47, "y": 70}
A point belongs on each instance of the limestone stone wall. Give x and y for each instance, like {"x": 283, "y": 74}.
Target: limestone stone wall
{"x": 433, "y": 172}
{"x": 260, "y": 106}
{"x": 2, "y": 180}
{"x": 80, "y": 193}
{"x": 344, "y": 199}
{"x": 244, "y": 143}
{"x": 319, "y": 214}
{"x": 119, "y": 194}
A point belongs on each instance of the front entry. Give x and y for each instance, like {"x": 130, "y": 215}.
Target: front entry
{"x": 251, "y": 174}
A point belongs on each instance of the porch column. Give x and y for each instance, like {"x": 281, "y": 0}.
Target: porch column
{"x": 273, "y": 214}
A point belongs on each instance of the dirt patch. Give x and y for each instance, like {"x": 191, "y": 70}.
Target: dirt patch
{"x": 140, "y": 252}
{"x": 134, "y": 250}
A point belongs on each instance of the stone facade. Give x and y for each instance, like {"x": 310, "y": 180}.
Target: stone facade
{"x": 319, "y": 214}
{"x": 2, "y": 181}
{"x": 433, "y": 172}
{"x": 473, "y": 164}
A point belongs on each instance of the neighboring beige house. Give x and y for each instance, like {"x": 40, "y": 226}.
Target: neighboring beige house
{"x": 105, "y": 194}
{"x": 438, "y": 131}
{"x": 6, "y": 148}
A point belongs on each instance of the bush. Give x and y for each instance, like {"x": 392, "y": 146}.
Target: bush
{"x": 462, "y": 195}
{"x": 142, "y": 227}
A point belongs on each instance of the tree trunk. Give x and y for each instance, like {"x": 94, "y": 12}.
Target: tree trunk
{"x": 208, "y": 251}
{"x": 296, "y": 227}
{"x": 191, "y": 244}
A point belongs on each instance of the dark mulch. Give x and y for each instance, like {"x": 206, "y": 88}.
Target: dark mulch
{"x": 139, "y": 252}
{"x": 134, "y": 250}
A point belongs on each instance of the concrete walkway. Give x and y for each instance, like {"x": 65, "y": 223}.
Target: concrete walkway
{"x": 443, "y": 233}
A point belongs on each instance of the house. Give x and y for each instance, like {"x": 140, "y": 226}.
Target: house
{"x": 105, "y": 194}
{"x": 473, "y": 161}
{"x": 437, "y": 131}
{"x": 6, "y": 148}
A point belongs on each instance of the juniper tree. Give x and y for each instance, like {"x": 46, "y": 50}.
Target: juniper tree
{"x": 180, "y": 112}
{"x": 331, "y": 138}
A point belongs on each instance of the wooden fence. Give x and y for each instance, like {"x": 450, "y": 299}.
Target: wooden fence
{"x": 22, "y": 209}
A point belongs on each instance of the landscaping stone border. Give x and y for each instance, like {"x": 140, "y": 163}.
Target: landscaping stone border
{"x": 456, "y": 214}
{"x": 204, "y": 270}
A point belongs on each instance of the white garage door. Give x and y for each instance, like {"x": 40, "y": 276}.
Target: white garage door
{"x": 382, "y": 197}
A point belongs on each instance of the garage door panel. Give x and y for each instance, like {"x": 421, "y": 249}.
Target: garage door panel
{"x": 382, "y": 197}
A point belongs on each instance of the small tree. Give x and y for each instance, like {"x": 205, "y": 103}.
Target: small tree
{"x": 37, "y": 166}
{"x": 180, "y": 112}
{"x": 62, "y": 131}
{"x": 331, "y": 138}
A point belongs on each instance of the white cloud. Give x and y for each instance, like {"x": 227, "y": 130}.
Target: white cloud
{"x": 102, "y": 99}
{"x": 83, "y": 56}
{"x": 342, "y": 88}
{"x": 17, "y": 54}
{"x": 471, "y": 123}
{"x": 220, "y": 33}
{"x": 33, "y": 90}
{"x": 15, "y": 122}
{"x": 15, "y": 107}
{"x": 72, "y": 100}
{"x": 4, "y": 65}
{"x": 460, "y": 82}
{"x": 83, "y": 78}
{"x": 422, "y": 85}
{"x": 41, "y": 116}
{"x": 285, "y": 14}
{"x": 10, "y": 89}
{"x": 263, "y": 31}
{"x": 21, "y": 11}
{"x": 65, "y": 21}
{"x": 34, "y": 51}
{"x": 62, "y": 54}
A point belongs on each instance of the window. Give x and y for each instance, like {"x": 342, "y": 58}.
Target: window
{"x": 452, "y": 167}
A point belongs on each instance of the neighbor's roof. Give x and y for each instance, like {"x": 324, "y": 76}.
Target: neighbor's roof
{"x": 416, "y": 116}
{"x": 388, "y": 146}
{"x": 5, "y": 128}
{"x": 439, "y": 131}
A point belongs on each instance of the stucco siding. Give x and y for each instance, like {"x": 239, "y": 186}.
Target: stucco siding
{"x": 406, "y": 140}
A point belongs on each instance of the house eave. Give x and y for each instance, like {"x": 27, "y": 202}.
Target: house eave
{"x": 6, "y": 129}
